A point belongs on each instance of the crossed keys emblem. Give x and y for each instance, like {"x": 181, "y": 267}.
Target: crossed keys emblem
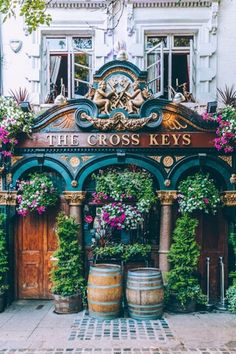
{"x": 119, "y": 97}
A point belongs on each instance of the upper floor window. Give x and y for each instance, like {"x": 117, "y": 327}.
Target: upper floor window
{"x": 67, "y": 60}
{"x": 169, "y": 60}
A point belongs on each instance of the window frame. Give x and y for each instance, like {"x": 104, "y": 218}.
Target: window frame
{"x": 70, "y": 52}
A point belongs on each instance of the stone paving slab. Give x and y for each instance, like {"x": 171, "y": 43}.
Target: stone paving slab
{"x": 31, "y": 327}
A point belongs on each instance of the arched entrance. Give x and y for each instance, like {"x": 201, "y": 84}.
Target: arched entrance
{"x": 35, "y": 241}
{"x": 148, "y": 231}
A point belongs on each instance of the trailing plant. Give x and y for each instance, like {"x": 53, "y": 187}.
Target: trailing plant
{"x": 120, "y": 216}
{"x": 3, "y": 256}
{"x": 198, "y": 192}
{"x": 122, "y": 252}
{"x": 37, "y": 193}
{"x": 183, "y": 256}
{"x": 226, "y": 128}
{"x": 126, "y": 185}
{"x": 66, "y": 274}
{"x": 13, "y": 121}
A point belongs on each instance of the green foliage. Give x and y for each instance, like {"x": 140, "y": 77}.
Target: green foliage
{"x": 198, "y": 192}
{"x": 120, "y": 184}
{"x": 123, "y": 252}
{"x": 183, "y": 256}
{"x": 34, "y": 12}
{"x": 67, "y": 269}
{"x": 232, "y": 240}
{"x": 231, "y": 298}
{"x": 3, "y": 256}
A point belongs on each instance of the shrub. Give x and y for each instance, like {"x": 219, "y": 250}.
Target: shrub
{"x": 3, "y": 256}
{"x": 66, "y": 274}
{"x": 183, "y": 256}
{"x": 231, "y": 298}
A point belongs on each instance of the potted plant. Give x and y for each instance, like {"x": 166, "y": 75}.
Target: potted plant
{"x": 66, "y": 275}
{"x": 183, "y": 290}
{"x": 3, "y": 263}
{"x": 198, "y": 192}
{"x": 35, "y": 194}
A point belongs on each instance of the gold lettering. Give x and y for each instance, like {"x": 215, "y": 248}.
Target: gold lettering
{"x": 92, "y": 139}
{"x": 135, "y": 139}
{"x": 51, "y": 137}
{"x": 153, "y": 139}
{"x": 117, "y": 142}
{"x": 176, "y": 139}
{"x": 165, "y": 139}
{"x": 102, "y": 139}
{"x": 186, "y": 139}
{"x": 74, "y": 140}
{"x": 125, "y": 140}
{"x": 62, "y": 140}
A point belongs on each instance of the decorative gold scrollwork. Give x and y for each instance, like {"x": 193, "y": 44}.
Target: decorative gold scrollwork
{"x": 119, "y": 122}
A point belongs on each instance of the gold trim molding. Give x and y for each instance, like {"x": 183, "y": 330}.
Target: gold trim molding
{"x": 74, "y": 198}
{"x": 167, "y": 197}
{"x": 229, "y": 198}
{"x": 8, "y": 198}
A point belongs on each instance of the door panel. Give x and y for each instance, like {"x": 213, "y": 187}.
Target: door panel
{"x": 212, "y": 239}
{"x": 36, "y": 241}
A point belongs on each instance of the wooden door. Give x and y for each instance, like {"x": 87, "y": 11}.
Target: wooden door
{"x": 35, "y": 243}
{"x": 212, "y": 238}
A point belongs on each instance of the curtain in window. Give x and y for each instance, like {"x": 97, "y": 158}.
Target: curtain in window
{"x": 55, "y": 62}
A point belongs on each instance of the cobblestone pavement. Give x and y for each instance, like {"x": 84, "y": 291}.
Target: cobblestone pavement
{"x": 31, "y": 327}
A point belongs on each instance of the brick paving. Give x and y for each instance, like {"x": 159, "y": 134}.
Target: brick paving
{"x": 31, "y": 327}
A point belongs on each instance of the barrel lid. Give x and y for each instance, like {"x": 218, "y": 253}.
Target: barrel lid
{"x": 144, "y": 271}
{"x": 103, "y": 267}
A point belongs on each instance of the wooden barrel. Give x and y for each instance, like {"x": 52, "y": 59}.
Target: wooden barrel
{"x": 104, "y": 291}
{"x": 144, "y": 293}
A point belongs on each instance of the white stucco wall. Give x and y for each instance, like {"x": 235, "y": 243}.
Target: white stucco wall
{"x": 215, "y": 33}
{"x": 226, "y": 69}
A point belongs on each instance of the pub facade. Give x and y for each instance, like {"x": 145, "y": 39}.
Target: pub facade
{"x": 118, "y": 124}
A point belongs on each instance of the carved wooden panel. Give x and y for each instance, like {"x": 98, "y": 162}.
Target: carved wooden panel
{"x": 35, "y": 243}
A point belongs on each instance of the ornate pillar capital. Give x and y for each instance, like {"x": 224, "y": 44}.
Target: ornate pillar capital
{"x": 8, "y": 198}
{"x": 74, "y": 198}
{"x": 229, "y": 198}
{"x": 167, "y": 197}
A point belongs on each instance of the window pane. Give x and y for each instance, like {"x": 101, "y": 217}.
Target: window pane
{"x": 81, "y": 73}
{"x": 152, "y": 41}
{"x": 83, "y": 43}
{"x": 57, "y": 44}
{"x": 182, "y": 41}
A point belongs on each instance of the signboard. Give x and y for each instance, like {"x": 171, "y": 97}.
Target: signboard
{"x": 126, "y": 140}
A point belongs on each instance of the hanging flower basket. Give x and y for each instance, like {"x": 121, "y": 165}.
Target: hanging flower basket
{"x": 35, "y": 194}
{"x": 226, "y": 128}
{"x": 198, "y": 192}
{"x": 125, "y": 185}
{"x": 13, "y": 121}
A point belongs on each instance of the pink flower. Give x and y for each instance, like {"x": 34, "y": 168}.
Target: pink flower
{"x": 88, "y": 219}
{"x": 206, "y": 200}
{"x": 22, "y": 212}
{"x": 41, "y": 209}
{"x": 6, "y": 153}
